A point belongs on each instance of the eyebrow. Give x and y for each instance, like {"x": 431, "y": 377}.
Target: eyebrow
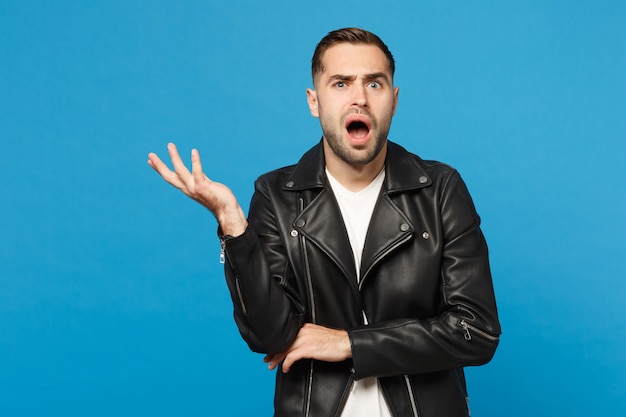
{"x": 372, "y": 76}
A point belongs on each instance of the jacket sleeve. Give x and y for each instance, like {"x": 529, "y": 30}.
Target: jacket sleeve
{"x": 466, "y": 330}
{"x": 267, "y": 309}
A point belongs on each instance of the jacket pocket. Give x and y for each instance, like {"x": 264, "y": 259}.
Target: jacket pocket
{"x": 469, "y": 330}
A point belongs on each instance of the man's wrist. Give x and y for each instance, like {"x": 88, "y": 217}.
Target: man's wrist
{"x": 233, "y": 223}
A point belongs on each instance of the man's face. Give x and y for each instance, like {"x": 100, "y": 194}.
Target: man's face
{"x": 355, "y": 101}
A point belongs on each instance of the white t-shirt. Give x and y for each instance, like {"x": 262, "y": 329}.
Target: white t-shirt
{"x": 366, "y": 397}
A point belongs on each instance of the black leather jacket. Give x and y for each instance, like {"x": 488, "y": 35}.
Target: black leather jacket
{"x": 426, "y": 286}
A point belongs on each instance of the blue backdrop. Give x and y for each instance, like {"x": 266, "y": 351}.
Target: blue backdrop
{"x": 112, "y": 300}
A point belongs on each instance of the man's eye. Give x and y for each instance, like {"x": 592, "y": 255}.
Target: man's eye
{"x": 374, "y": 84}
{"x": 340, "y": 84}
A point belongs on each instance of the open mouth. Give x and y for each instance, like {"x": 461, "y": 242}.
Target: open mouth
{"x": 358, "y": 129}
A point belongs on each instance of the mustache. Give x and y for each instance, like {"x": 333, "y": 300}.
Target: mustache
{"x": 360, "y": 111}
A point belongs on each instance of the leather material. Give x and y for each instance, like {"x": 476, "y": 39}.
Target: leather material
{"x": 426, "y": 286}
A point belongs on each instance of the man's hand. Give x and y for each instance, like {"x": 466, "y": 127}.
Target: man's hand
{"x": 218, "y": 198}
{"x": 314, "y": 342}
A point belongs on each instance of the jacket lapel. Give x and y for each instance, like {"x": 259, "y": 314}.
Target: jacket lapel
{"x": 320, "y": 220}
{"x": 388, "y": 229}
{"x": 321, "y": 223}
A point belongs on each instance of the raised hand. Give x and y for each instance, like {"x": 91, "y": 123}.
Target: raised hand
{"x": 217, "y": 197}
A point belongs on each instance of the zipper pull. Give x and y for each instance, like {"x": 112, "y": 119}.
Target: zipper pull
{"x": 222, "y": 251}
{"x": 466, "y": 327}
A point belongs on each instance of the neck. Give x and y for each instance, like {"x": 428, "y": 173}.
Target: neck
{"x": 354, "y": 177}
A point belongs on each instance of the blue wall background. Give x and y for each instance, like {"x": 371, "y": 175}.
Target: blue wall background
{"x": 112, "y": 300}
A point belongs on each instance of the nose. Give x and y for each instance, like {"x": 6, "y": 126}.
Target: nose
{"x": 359, "y": 98}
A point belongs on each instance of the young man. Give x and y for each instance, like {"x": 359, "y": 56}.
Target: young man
{"x": 361, "y": 272}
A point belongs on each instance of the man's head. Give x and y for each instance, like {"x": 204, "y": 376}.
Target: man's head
{"x": 354, "y": 36}
{"x": 354, "y": 98}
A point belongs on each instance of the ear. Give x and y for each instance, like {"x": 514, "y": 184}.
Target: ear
{"x": 311, "y": 98}
{"x": 396, "y": 91}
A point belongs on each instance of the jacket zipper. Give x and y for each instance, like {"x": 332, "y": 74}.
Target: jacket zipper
{"x": 463, "y": 392}
{"x": 382, "y": 255}
{"x": 406, "y": 377}
{"x": 307, "y": 271}
{"x": 468, "y": 335}
{"x": 309, "y": 389}
{"x": 244, "y": 310}
{"x": 411, "y": 396}
{"x": 313, "y": 319}
{"x": 222, "y": 251}
{"x": 309, "y": 284}
{"x": 344, "y": 396}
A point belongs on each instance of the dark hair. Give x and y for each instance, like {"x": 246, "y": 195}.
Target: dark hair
{"x": 348, "y": 35}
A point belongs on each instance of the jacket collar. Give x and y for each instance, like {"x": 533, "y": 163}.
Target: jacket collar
{"x": 403, "y": 170}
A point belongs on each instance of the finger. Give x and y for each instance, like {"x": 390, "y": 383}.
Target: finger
{"x": 291, "y": 358}
{"x": 155, "y": 162}
{"x": 269, "y": 358}
{"x": 178, "y": 164}
{"x": 275, "y": 360}
{"x": 162, "y": 169}
{"x": 297, "y": 350}
{"x": 196, "y": 167}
